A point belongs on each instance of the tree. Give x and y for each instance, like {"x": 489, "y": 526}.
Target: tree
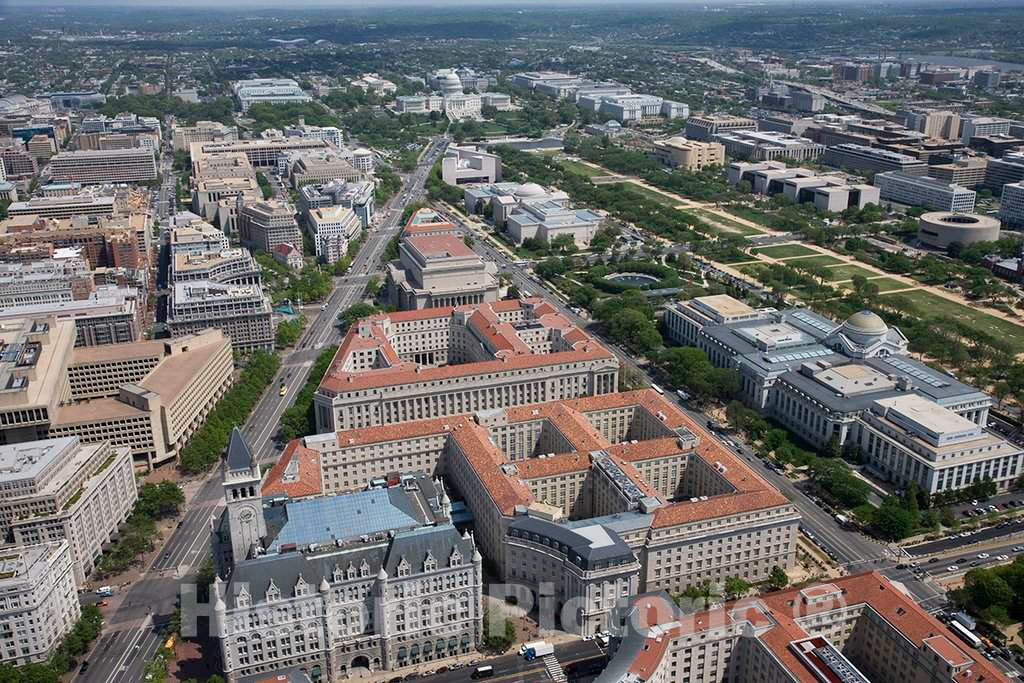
{"x": 735, "y": 587}
{"x": 264, "y": 184}
{"x": 513, "y": 292}
{"x": 355, "y": 312}
{"x": 892, "y": 521}
{"x": 777, "y": 579}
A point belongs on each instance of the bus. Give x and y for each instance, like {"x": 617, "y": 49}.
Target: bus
{"x": 482, "y": 672}
{"x": 657, "y": 388}
{"x": 965, "y": 635}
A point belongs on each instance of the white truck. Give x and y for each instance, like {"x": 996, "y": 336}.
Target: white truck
{"x": 538, "y": 648}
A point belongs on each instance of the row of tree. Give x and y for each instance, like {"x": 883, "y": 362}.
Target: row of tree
{"x": 139, "y": 533}
{"x": 299, "y": 419}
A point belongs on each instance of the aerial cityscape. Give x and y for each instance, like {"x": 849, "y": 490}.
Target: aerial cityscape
{"x": 577, "y": 341}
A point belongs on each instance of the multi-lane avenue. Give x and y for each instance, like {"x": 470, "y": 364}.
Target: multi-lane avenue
{"x": 132, "y": 631}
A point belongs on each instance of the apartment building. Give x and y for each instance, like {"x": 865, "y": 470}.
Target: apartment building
{"x": 705, "y": 128}
{"x": 872, "y": 159}
{"x": 689, "y": 155}
{"x": 18, "y": 164}
{"x": 442, "y": 361}
{"x": 856, "y": 629}
{"x": 663, "y": 504}
{"x": 944, "y": 125}
{"x": 388, "y": 583}
{"x": 973, "y": 126}
{"x": 268, "y": 91}
{"x": 264, "y": 225}
{"x": 333, "y": 227}
{"x": 202, "y": 131}
{"x": 63, "y": 489}
{"x": 241, "y": 312}
{"x": 357, "y": 196}
{"x": 931, "y": 193}
{"x": 820, "y": 379}
{"x": 134, "y": 165}
{"x": 1011, "y": 207}
{"x": 40, "y": 601}
{"x": 461, "y": 165}
{"x": 432, "y": 271}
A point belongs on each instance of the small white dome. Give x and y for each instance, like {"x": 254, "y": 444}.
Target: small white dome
{"x": 530, "y": 190}
{"x": 866, "y": 322}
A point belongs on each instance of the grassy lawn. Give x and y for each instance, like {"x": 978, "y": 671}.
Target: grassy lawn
{"x": 734, "y": 226}
{"x": 819, "y": 260}
{"x": 492, "y": 128}
{"x": 885, "y": 284}
{"x": 656, "y": 197}
{"x": 581, "y": 169}
{"x": 784, "y": 251}
{"x": 930, "y": 306}
{"x": 846, "y": 272}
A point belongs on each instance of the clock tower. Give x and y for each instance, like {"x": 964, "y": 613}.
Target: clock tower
{"x": 242, "y": 493}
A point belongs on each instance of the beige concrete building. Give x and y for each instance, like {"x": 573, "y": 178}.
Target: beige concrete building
{"x": 40, "y": 602}
{"x": 969, "y": 173}
{"x": 333, "y": 227}
{"x": 202, "y": 131}
{"x": 208, "y": 193}
{"x": 62, "y": 489}
{"x": 642, "y": 495}
{"x": 689, "y": 155}
{"x": 262, "y": 153}
{"x": 439, "y": 270}
{"x": 266, "y": 224}
{"x": 321, "y": 166}
{"x": 857, "y": 629}
{"x": 414, "y": 365}
{"x": 135, "y": 165}
{"x": 197, "y": 237}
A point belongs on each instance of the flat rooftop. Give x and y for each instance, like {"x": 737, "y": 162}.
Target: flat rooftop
{"x": 855, "y": 379}
{"x": 724, "y": 305}
{"x": 22, "y": 461}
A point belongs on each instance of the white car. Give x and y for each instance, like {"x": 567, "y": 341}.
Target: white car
{"x": 983, "y": 556}
{"x": 1002, "y": 558}
{"x": 952, "y": 568}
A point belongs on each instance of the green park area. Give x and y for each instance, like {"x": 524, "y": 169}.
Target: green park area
{"x": 819, "y": 260}
{"x": 733, "y": 225}
{"x": 582, "y": 169}
{"x": 884, "y": 284}
{"x": 928, "y": 306}
{"x": 846, "y": 272}
{"x": 784, "y": 251}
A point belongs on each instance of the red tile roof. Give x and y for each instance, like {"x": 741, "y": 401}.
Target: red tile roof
{"x": 309, "y": 481}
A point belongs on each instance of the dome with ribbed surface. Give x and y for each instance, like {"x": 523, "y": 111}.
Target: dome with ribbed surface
{"x": 530, "y": 190}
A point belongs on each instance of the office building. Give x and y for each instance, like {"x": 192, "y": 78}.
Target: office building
{"x": 63, "y": 489}
{"x": 357, "y": 196}
{"x": 498, "y": 100}
{"x": 861, "y": 628}
{"x": 375, "y": 84}
{"x": 62, "y": 207}
{"x": 997, "y": 146}
{"x": 196, "y": 237}
{"x": 202, "y": 131}
{"x": 987, "y": 79}
{"x": 633, "y": 108}
{"x": 972, "y": 126}
{"x": 416, "y": 365}
{"x": 1011, "y": 208}
{"x": 419, "y": 104}
{"x": 41, "y": 147}
{"x": 18, "y": 164}
{"x": 45, "y": 281}
{"x": 241, "y": 312}
{"x": 70, "y": 101}
{"x": 768, "y": 145}
{"x": 108, "y": 315}
{"x": 462, "y": 165}
{"x": 819, "y": 379}
{"x": 264, "y": 225}
{"x": 268, "y": 91}
{"x": 226, "y": 267}
{"x": 1008, "y": 169}
{"x": 8, "y": 191}
{"x": 939, "y": 229}
{"x": 689, "y": 155}
{"x": 333, "y": 228}
{"x": 320, "y": 166}
{"x": 40, "y": 604}
{"x": 329, "y": 134}
{"x": 263, "y": 153}
{"x": 706, "y": 127}
{"x": 135, "y": 165}
{"x": 210, "y": 195}
{"x": 967, "y": 172}
{"x": 391, "y": 581}
{"x": 662, "y": 502}
{"x": 851, "y": 71}
{"x": 119, "y": 242}
{"x": 944, "y": 125}
{"x": 871, "y": 160}
{"x": 432, "y": 270}
{"x": 915, "y": 190}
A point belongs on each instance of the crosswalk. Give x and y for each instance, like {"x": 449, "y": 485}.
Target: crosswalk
{"x": 554, "y": 669}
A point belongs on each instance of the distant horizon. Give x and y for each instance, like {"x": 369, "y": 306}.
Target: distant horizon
{"x": 547, "y": 4}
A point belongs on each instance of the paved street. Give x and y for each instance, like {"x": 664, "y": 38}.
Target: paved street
{"x": 515, "y": 668}
{"x": 131, "y": 634}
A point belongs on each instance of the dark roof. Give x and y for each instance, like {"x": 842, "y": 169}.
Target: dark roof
{"x": 582, "y": 552}
{"x": 239, "y": 454}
